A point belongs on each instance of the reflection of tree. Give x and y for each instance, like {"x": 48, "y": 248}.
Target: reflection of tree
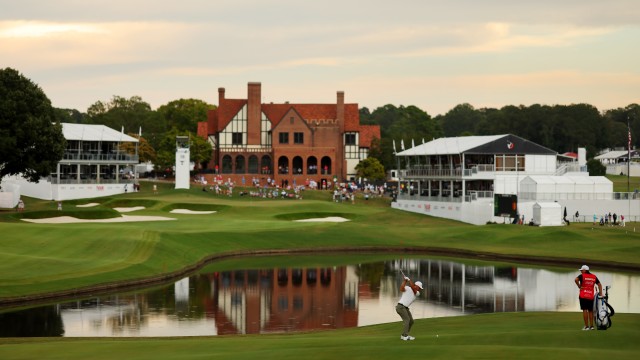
{"x": 200, "y": 297}
{"x": 42, "y": 321}
{"x": 371, "y": 273}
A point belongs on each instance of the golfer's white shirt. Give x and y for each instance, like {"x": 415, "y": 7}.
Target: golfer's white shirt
{"x": 407, "y": 297}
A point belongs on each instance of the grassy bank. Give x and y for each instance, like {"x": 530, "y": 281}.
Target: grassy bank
{"x": 40, "y": 258}
{"x": 490, "y": 336}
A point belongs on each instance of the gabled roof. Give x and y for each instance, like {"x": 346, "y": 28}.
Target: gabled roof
{"x": 617, "y": 154}
{"x": 289, "y": 112}
{"x": 225, "y": 112}
{"x": 447, "y": 146}
{"x": 367, "y": 134}
{"x": 85, "y": 132}
{"x": 489, "y": 144}
{"x": 219, "y": 118}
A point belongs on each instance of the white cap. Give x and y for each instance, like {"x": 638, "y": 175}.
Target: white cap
{"x": 418, "y": 284}
{"x": 584, "y": 267}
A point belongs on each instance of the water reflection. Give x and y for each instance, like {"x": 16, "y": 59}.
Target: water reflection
{"x": 299, "y": 299}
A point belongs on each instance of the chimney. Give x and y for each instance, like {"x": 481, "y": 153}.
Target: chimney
{"x": 340, "y": 110}
{"x": 220, "y": 96}
{"x": 254, "y": 99}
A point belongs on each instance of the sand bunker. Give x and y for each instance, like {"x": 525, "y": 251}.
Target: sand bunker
{"x": 88, "y": 205}
{"x": 70, "y": 220}
{"x": 327, "y": 219}
{"x": 128, "y": 209}
{"x": 191, "y": 212}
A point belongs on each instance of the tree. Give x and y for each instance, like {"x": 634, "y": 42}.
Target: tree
{"x": 131, "y": 114}
{"x": 461, "y": 119}
{"x": 371, "y": 169}
{"x": 31, "y": 143}
{"x": 71, "y": 116}
{"x": 401, "y": 124}
{"x": 596, "y": 168}
{"x": 145, "y": 151}
{"x": 200, "y": 150}
{"x": 185, "y": 114}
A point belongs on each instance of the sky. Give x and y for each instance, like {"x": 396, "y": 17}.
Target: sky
{"x": 433, "y": 54}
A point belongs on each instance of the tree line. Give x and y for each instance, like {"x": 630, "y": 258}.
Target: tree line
{"x": 156, "y": 130}
{"x": 24, "y": 108}
{"x": 562, "y": 128}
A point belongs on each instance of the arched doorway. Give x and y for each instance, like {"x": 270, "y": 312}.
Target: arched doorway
{"x": 265, "y": 165}
{"x": 253, "y": 164}
{"x": 283, "y": 165}
{"x": 325, "y": 165}
{"x": 240, "y": 164}
{"x": 297, "y": 165}
{"x": 227, "y": 166}
{"x": 312, "y": 165}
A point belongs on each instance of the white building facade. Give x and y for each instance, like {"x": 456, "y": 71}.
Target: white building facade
{"x": 93, "y": 165}
{"x": 463, "y": 179}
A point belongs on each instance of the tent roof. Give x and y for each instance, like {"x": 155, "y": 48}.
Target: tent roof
{"x": 540, "y": 179}
{"x": 453, "y": 145}
{"x": 547, "y": 205}
{"x": 549, "y": 179}
{"x": 94, "y": 133}
{"x": 613, "y": 155}
{"x": 490, "y": 144}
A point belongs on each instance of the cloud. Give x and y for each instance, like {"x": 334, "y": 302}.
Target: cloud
{"x": 421, "y": 50}
{"x": 34, "y": 29}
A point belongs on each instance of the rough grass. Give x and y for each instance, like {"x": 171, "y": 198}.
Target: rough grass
{"x": 489, "y": 336}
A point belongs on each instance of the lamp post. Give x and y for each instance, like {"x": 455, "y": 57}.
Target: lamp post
{"x": 517, "y": 187}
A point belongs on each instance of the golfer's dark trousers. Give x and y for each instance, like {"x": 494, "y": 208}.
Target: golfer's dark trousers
{"x": 407, "y": 318}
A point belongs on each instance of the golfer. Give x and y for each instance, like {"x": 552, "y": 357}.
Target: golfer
{"x": 586, "y": 282}
{"x": 409, "y": 294}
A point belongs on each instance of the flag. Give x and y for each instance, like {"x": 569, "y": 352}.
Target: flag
{"x": 140, "y": 132}
{"x": 412, "y": 144}
{"x": 402, "y": 144}
{"x": 629, "y": 128}
{"x": 394, "y": 146}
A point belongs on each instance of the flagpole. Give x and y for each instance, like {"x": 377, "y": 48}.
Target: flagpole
{"x": 629, "y": 170}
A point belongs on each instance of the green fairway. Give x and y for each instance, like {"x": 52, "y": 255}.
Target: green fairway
{"x": 67, "y": 258}
{"x": 491, "y": 336}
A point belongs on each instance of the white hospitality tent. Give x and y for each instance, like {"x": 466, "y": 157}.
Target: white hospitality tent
{"x": 547, "y": 214}
{"x": 542, "y": 187}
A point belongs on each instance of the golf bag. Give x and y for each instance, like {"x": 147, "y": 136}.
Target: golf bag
{"x": 602, "y": 311}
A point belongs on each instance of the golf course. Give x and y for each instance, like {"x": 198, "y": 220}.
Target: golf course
{"x": 97, "y": 245}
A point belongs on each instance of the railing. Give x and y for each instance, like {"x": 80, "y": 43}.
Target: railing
{"x": 428, "y": 171}
{"x": 589, "y": 219}
{"x": 99, "y": 157}
{"x": 429, "y": 198}
{"x": 471, "y": 196}
{"x": 245, "y": 149}
{"x": 578, "y": 196}
{"x": 571, "y": 167}
{"x": 89, "y": 181}
{"x": 475, "y": 195}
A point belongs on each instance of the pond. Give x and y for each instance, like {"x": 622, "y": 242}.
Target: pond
{"x": 310, "y": 298}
